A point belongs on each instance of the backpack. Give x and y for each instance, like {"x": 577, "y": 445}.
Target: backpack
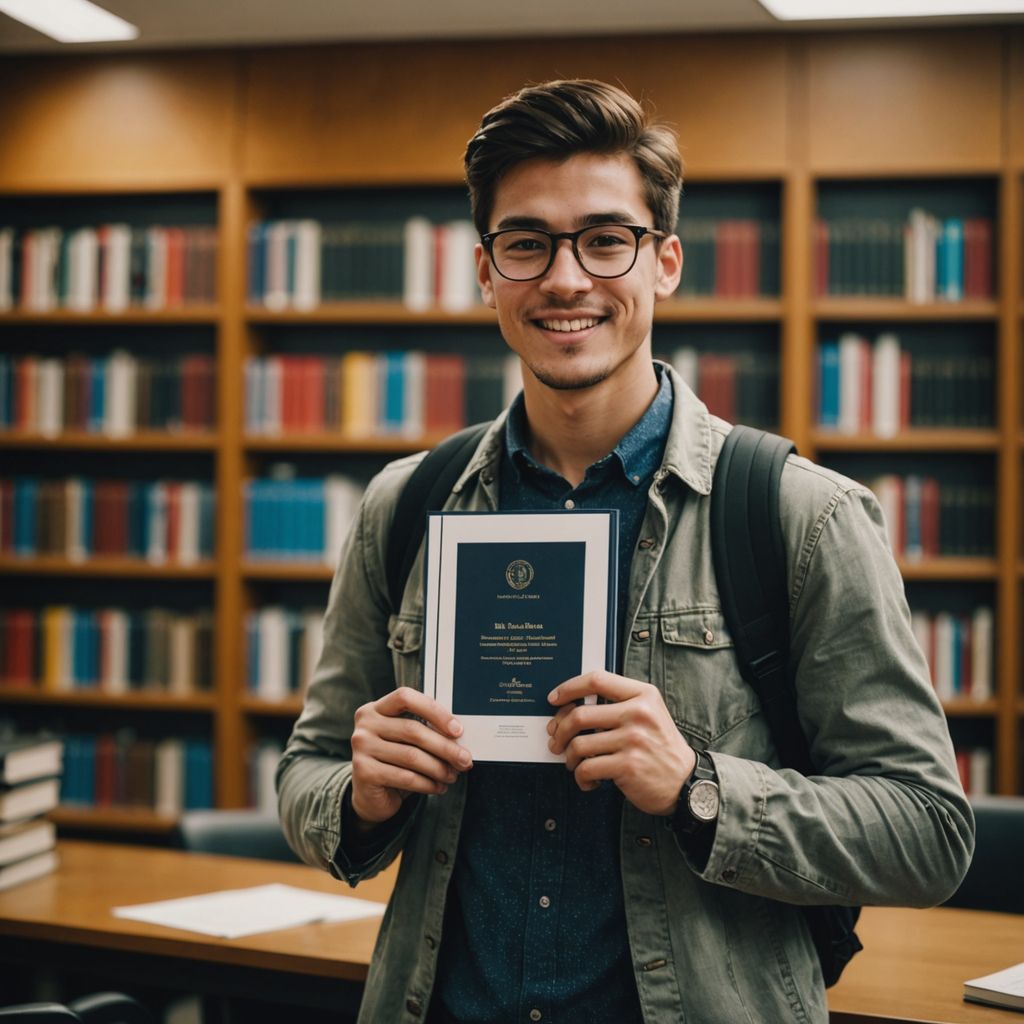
{"x": 750, "y": 570}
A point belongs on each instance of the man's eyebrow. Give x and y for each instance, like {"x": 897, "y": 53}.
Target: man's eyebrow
{"x": 532, "y": 223}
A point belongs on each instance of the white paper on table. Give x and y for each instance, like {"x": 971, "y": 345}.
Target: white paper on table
{"x": 233, "y": 913}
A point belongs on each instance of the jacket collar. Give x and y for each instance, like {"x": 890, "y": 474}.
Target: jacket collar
{"x": 687, "y": 450}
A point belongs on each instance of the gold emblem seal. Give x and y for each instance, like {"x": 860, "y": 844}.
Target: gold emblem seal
{"x": 519, "y": 574}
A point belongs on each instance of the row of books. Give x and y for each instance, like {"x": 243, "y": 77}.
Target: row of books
{"x": 879, "y": 386}
{"x": 360, "y": 394}
{"x": 115, "y": 395}
{"x": 974, "y": 765}
{"x": 299, "y": 519}
{"x": 921, "y": 259}
{"x": 112, "y": 267}
{"x": 741, "y": 387}
{"x": 283, "y": 646}
{"x": 122, "y": 769}
{"x": 959, "y": 650}
{"x": 113, "y": 650}
{"x": 30, "y": 770}
{"x": 161, "y": 521}
{"x": 303, "y": 263}
{"x": 929, "y": 519}
{"x": 729, "y": 258}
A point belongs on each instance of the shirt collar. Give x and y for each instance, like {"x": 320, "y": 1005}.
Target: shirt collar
{"x": 638, "y": 452}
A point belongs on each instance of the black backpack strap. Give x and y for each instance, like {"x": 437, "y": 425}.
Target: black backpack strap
{"x": 750, "y": 569}
{"x": 426, "y": 490}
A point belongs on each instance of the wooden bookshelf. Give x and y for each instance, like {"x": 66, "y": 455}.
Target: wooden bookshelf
{"x": 811, "y": 108}
{"x": 137, "y": 700}
{"x": 112, "y": 819}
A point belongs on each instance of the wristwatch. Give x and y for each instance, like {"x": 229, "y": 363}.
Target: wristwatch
{"x": 698, "y": 800}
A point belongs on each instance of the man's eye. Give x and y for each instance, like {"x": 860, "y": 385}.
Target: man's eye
{"x": 525, "y": 245}
{"x": 607, "y": 240}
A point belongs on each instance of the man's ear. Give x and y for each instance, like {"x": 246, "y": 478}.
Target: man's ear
{"x": 483, "y": 275}
{"x": 670, "y": 267}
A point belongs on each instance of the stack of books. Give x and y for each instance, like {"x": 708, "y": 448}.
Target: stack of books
{"x": 30, "y": 768}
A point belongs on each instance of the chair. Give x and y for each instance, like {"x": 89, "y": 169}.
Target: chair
{"x": 994, "y": 880}
{"x": 242, "y": 833}
{"x": 101, "y": 1008}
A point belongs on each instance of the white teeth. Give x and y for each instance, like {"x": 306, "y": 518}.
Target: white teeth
{"x": 568, "y": 325}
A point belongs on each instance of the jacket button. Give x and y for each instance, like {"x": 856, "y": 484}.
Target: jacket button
{"x": 431, "y": 944}
{"x": 644, "y": 841}
{"x": 641, "y": 634}
{"x": 488, "y": 478}
{"x": 646, "y": 543}
{"x": 398, "y": 643}
{"x": 729, "y": 875}
{"x": 709, "y": 637}
{"x": 415, "y": 1007}
{"x": 441, "y": 857}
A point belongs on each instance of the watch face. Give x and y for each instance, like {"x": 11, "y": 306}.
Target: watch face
{"x": 703, "y": 800}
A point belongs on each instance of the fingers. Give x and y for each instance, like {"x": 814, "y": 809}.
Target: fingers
{"x": 602, "y": 684}
{"x": 406, "y": 700}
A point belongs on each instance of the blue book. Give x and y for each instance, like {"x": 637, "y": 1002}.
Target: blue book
{"x": 913, "y": 546}
{"x": 958, "y": 653}
{"x": 252, "y": 639}
{"x": 88, "y": 514}
{"x": 206, "y": 520}
{"x": 828, "y": 378}
{"x": 97, "y": 393}
{"x": 257, "y": 262}
{"x": 26, "y": 506}
{"x": 392, "y": 404}
{"x": 198, "y": 775}
{"x": 953, "y": 259}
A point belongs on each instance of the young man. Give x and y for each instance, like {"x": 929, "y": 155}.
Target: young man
{"x": 591, "y": 892}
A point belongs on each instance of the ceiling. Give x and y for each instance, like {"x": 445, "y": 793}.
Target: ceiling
{"x": 168, "y": 24}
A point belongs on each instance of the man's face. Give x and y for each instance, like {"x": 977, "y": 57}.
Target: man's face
{"x": 572, "y": 330}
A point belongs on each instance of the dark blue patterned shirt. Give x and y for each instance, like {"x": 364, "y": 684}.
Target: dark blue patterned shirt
{"x": 535, "y": 928}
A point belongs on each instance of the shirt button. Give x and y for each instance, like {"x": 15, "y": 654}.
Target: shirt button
{"x": 545, "y": 902}
{"x": 551, "y": 824}
{"x": 644, "y": 841}
{"x": 569, "y": 503}
{"x": 536, "y": 1015}
{"x": 441, "y": 857}
{"x": 709, "y": 637}
{"x": 729, "y": 875}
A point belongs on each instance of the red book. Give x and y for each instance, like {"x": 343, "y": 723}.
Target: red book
{"x": 930, "y": 517}
{"x": 864, "y": 366}
{"x": 440, "y": 231}
{"x": 100, "y": 542}
{"x": 315, "y": 395}
{"x": 963, "y": 767}
{"x": 725, "y": 261}
{"x": 175, "y": 267}
{"x": 444, "y": 393}
{"x": 20, "y": 668}
{"x": 106, "y": 770}
{"x": 102, "y": 260}
{"x": 753, "y": 259}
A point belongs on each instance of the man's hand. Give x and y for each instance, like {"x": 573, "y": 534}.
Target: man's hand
{"x": 403, "y": 743}
{"x": 635, "y": 743}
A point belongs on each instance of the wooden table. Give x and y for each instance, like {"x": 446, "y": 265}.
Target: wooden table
{"x": 913, "y": 968}
{"x": 915, "y": 963}
{"x": 65, "y": 918}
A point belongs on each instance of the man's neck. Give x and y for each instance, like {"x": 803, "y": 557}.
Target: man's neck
{"x": 571, "y": 430}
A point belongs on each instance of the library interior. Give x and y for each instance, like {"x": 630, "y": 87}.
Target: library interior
{"x": 237, "y": 279}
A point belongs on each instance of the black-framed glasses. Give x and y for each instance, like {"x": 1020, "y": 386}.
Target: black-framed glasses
{"x": 602, "y": 250}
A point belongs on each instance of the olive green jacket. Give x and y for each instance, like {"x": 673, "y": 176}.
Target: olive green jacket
{"x": 885, "y": 821}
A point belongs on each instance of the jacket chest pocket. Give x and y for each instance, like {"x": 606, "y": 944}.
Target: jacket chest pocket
{"x": 697, "y": 671}
{"x": 405, "y": 639}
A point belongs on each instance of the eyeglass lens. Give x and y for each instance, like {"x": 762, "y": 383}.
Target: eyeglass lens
{"x": 606, "y": 250}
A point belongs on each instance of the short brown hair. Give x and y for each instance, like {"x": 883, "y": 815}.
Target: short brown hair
{"x": 559, "y": 119}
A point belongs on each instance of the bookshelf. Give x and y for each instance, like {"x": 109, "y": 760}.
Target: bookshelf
{"x": 827, "y": 123}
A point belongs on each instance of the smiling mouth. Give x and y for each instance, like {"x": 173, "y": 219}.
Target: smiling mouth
{"x": 568, "y": 326}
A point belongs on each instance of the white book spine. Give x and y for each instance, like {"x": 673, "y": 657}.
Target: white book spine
{"x": 118, "y": 414}
{"x": 273, "y": 655}
{"x": 307, "y": 264}
{"x": 982, "y": 653}
{"x": 182, "y": 655}
{"x": 916, "y": 273}
{"x": 50, "y": 404}
{"x": 944, "y": 637}
{"x": 117, "y": 283}
{"x": 850, "y": 354}
{"x": 459, "y": 290}
{"x": 252, "y": 376}
{"x": 414, "y": 394}
{"x": 156, "y": 269}
{"x": 418, "y": 266}
{"x": 6, "y": 269}
{"x": 684, "y": 362}
{"x": 188, "y": 523}
{"x": 267, "y": 757}
{"x": 116, "y": 680}
{"x": 980, "y": 771}
{"x": 885, "y": 382}
{"x": 169, "y": 777}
